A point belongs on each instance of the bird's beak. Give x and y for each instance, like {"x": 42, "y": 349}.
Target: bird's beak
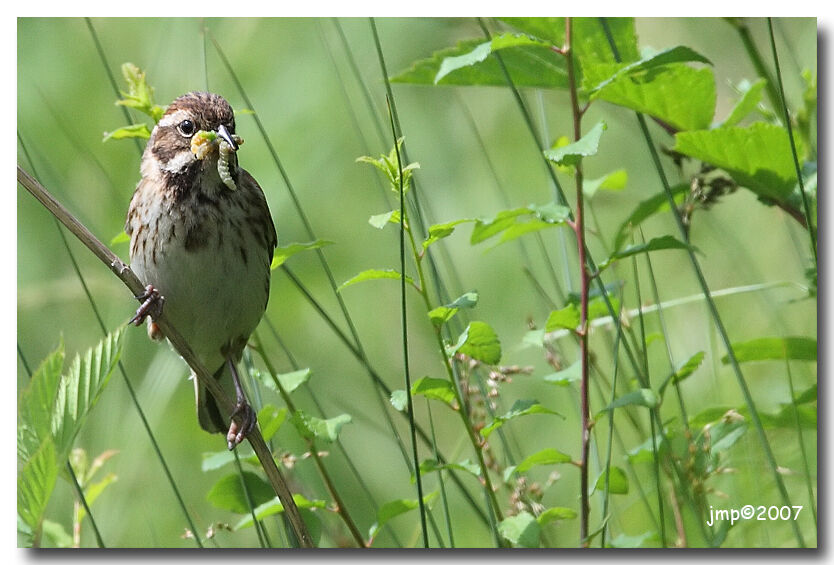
{"x": 227, "y": 137}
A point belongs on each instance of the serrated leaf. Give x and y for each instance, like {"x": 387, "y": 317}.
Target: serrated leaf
{"x": 678, "y": 54}
{"x": 654, "y": 244}
{"x": 555, "y": 513}
{"x": 565, "y": 318}
{"x": 282, "y": 253}
{"x": 274, "y": 506}
{"x": 573, "y": 153}
{"x": 566, "y": 376}
{"x": 312, "y": 427}
{"x": 769, "y": 348}
{"x": 676, "y": 93}
{"x": 529, "y": 65}
{"x": 35, "y": 483}
{"x": 375, "y": 274}
{"x": 519, "y": 408}
{"x": 617, "y": 483}
{"x": 394, "y": 508}
{"x": 757, "y": 157}
{"x": 37, "y": 402}
{"x": 482, "y": 51}
{"x": 443, "y": 314}
{"x": 522, "y": 529}
{"x": 750, "y": 99}
{"x": 139, "y": 131}
{"x": 228, "y": 493}
{"x": 480, "y": 342}
{"x": 647, "y": 208}
{"x": 399, "y": 400}
{"x": 615, "y": 180}
{"x": 438, "y": 389}
{"x": 80, "y": 389}
{"x": 547, "y": 456}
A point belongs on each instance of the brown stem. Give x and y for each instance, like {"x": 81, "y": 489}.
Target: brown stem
{"x": 579, "y": 228}
{"x": 136, "y": 286}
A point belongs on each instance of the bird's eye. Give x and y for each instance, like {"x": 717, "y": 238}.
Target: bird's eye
{"x": 187, "y": 128}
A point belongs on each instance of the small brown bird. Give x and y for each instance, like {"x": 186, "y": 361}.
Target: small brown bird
{"x": 202, "y": 239}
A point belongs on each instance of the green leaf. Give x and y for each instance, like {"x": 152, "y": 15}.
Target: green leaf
{"x": 374, "y": 274}
{"x": 547, "y": 456}
{"x": 35, "y": 483}
{"x": 676, "y": 93}
{"x": 289, "y": 381}
{"x": 93, "y": 491}
{"x": 228, "y": 493}
{"x": 750, "y": 99}
{"x": 769, "y": 348}
{"x": 37, "y": 402}
{"x": 757, "y": 157}
{"x": 217, "y": 459}
{"x": 572, "y": 153}
{"x": 312, "y": 427}
{"x": 566, "y": 376}
{"x": 482, "y": 51}
{"x": 641, "y": 397}
{"x": 270, "y": 419}
{"x": 399, "y": 400}
{"x": 480, "y": 342}
{"x": 644, "y": 453}
{"x": 438, "y": 389}
{"x": 80, "y": 389}
{"x": 140, "y": 131}
{"x": 439, "y": 231}
{"x": 567, "y": 318}
{"x": 443, "y": 314}
{"x": 274, "y": 506}
{"x": 678, "y": 54}
{"x": 391, "y": 510}
{"x": 654, "y": 244}
{"x": 139, "y": 95}
{"x": 808, "y": 395}
{"x": 56, "y": 534}
{"x": 617, "y": 483}
{"x": 686, "y": 369}
{"x": 432, "y": 465}
{"x": 120, "y": 238}
{"x": 281, "y": 254}
{"x": 522, "y": 529}
{"x": 647, "y": 208}
{"x": 379, "y": 221}
{"x": 531, "y": 64}
{"x": 519, "y": 408}
{"x": 615, "y": 180}
{"x": 628, "y": 542}
{"x": 555, "y": 513}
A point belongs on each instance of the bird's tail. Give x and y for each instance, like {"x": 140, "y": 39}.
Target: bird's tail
{"x": 208, "y": 412}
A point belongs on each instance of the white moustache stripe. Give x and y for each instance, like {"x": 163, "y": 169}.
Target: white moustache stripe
{"x": 178, "y": 162}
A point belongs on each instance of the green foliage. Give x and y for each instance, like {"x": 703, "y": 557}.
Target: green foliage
{"x": 572, "y": 153}
{"x": 282, "y": 253}
{"x": 647, "y": 208}
{"x": 139, "y": 95}
{"x": 567, "y": 318}
{"x": 394, "y": 508}
{"x": 139, "y": 131}
{"x": 751, "y": 96}
{"x": 437, "y": 389}
{"x": 311, "y": 427}
{"x": 519, "y": 221}
{"x": 685, "y": 370}
{"x": 375, "y": 274}
{"x": 518, "y": 409}
{"x": 547, "y": 456}
{"x": 480, "y": 342}
{"x": 615, "y": 181}
{"x": 641, "y": 397}
{"x": 289, "y": 381}
{"x": 274, "y": 506}
{"x": 390, "y": 167}
{"x": 617, "y": 481}
{"x": 758, "y": 157}
{"x": 443, "y": 314}
{"x": 270, "y": 419}
{"x": 655, "y": 244}
{"x": 432, "y": 465}
{"x": 522, "y": 529}
{"x": 228, "y": 493}
{"x": 768, "y": 348}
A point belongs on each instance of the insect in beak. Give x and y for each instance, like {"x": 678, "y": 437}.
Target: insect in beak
{"x": 224, "y": 134}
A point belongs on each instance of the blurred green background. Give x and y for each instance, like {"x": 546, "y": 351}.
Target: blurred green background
{"x": 298, "y": 77}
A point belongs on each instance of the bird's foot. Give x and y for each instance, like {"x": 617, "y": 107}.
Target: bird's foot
{"x": 243, "y": 421}
{"x": 151, "y": 305}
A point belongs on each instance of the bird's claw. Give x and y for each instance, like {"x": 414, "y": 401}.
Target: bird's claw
{"x": 243, "y": 422}
{"x": 151, "y": 305}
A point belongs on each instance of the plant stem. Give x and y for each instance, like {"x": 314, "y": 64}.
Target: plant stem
{"x": 129, "y": 278}
{"x": 584, "y": 282}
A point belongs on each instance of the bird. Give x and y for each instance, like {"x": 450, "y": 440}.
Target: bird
{"x": 201, "y": 240}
